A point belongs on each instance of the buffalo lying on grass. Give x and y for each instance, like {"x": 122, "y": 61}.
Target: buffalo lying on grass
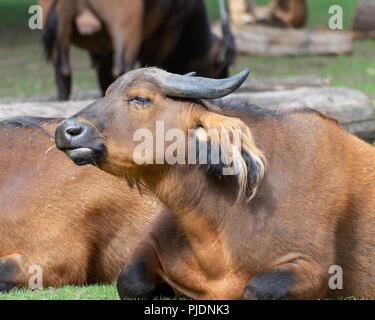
{"x": 300, "y": 200}
{"x": 77, "y": 224}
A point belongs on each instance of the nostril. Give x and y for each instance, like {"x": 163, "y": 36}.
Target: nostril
{"x": 71, "y": 134}
{"x": 74, "y": 131}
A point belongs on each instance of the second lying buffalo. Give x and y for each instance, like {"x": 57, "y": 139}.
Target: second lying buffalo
{"x": 61, "y": 224}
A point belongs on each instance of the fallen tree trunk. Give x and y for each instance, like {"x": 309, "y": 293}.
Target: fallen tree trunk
{"x": 283, "y": 83}
{"x": 270, "y": 41}
{"x": 42, "y": 109}
{"x": 350, "y": 107}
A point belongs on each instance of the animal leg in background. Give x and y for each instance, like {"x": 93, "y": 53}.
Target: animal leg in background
{"x": 63, "y": 74}
{"x": 11, "y": 272}
{"x": 126, "y": 47}
{"x": 125, "y": 26}
{"x": 298, "y": 278}
{"x": 103, "y": 64}
{"x": 58, "y": 28}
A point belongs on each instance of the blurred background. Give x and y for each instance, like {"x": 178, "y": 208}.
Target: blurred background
{"x": 24, "y": 70}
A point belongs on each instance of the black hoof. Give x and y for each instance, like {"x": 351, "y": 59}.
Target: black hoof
{"x": 133, "y": 282}
{"x": 272, "y": 285}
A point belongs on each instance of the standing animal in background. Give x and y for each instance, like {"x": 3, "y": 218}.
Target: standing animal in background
{"x": 77, "y": 224}
{"x": 110, "y": 30}
{"x": 280, "y": 13}
{"x": 172, "y": 34}
{"x": 302, "y": 197}
{"x": 182, "y": 40}
{"x": 290, "y": 13}
{"x": 239, "y": 11}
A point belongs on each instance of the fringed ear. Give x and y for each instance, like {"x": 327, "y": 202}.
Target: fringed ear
{"x": 231, "y": 151}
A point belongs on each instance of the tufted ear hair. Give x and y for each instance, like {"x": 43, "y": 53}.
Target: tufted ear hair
{"x": 231, "y": 150}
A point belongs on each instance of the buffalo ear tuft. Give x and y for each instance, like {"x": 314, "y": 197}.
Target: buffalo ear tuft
{"x": 215, "y": 169}
{"x": 247, "y": 160}
{"x": 255, "y": 172}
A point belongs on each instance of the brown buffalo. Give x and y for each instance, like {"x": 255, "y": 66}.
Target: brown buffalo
{"x": 172, "y": 34}
{"x": 290, "y": 13}
{"x": 77, "y": 224}
{"x": 281, "y": 13}
{"x": 301, "y": 201}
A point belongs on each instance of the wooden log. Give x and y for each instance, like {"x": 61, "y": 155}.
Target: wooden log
{"x": 77, "y": 95}
{"x": 352, "y": 108}
{"x": 363, "y": 35}
{"x": 271, "y": 41}
{"x": 284, "y": 83}
{"x": 364, "y": 19}
{"x": 42, "y": 109}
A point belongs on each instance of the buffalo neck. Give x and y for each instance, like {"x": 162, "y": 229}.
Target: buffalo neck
{"x": 200, "y": 208}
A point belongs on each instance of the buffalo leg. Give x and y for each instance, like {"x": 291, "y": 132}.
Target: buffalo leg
{"x": 63, "y": 74}
{"x": 119, "y": 65}
{"x": 295, "y": 280}
{"x": 138, "y": 279}
{"x": 103, "y": 64}
{"x": 11, "y": 274}
{"x": 124, "y": 58}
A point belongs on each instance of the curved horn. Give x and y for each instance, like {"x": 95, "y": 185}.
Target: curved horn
{"x": 191, "y": 74}
{"x": 179, "y": 86}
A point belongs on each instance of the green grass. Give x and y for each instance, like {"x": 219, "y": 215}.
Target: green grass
{"x": 93, "y": 292}
{"x": 318, "y": 12}
{"x": 25, "y": 71}
{"x": 14, "y": 13}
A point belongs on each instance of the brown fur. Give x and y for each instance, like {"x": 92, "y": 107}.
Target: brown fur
{"x": 281, "y": 13}
{"x": 86, "y": 22}
{"x": 313, "y": 208}
{"x": 77, "y": 224}
{"x": 112, "y": 34}
{"x": 291, "y": 13}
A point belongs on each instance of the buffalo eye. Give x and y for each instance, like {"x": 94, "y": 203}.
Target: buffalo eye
{"x": 140, "y": 100}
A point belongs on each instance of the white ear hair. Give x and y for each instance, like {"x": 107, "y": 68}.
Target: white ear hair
{"x": 201, "y": 134}
{"x": 239, "y": 154}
